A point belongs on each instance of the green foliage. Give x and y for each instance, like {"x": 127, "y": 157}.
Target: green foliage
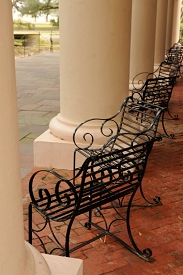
{"x": 19, "y": 25}
{"x": 27, "y": 26}
{"x": 181, "y": 22}
{"x": 54, "y": 22}
{"x": 30, "y": 7}
{"x": 35, "y": 7}
{"x": 181, "y": 32}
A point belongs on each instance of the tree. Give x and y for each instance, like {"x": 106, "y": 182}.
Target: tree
{"x": 16, "y": 4}
{"x": 35, "y": 7}
{"x": 49, "y": 7}
{"x": 30, "y": 7}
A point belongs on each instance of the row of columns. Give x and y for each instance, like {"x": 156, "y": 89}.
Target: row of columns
{"x": 17, "y": 257}
{"x": 97, "y": 39}
{"x": 103, "y": 46}
{"x": 97, "y": 55}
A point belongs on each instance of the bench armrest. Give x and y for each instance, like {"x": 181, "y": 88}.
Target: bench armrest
{"x": 42, "y": 197}
{"x": 140, "y": 79}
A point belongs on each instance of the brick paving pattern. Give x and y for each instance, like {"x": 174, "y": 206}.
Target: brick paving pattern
{"x": 159, "y": 228}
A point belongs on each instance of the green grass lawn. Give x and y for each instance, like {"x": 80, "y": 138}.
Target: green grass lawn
{"x": 181, "y": 31}
{"x": 26, "y": 27}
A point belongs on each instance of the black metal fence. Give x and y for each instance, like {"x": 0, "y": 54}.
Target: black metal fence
{"x": 29, "y": 44}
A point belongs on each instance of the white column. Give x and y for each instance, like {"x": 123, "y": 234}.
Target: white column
{"x": 143, "y": 36}
{"x": 169, "y": 24}
{"x": 16, "y": 256}
{"x": 12, "y": 248}
{"x": 161, "y": 23}
{"x": 94, "y": 69}
{"x": 176, "y": 21}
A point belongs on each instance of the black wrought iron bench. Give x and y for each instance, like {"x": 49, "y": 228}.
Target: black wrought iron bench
{"x": 158, "y": 91}
{"x": 137, "y": 118}
{"x": 170, "y": 67}
{"x": 134, "y": 116}
{"x": 165, "y": 69}
{"x": 114, "y": 173}
{"x": 174, "y": 56}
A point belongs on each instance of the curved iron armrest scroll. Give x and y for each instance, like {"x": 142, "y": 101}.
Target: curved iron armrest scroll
{"x": 105, "y": 130}
{"x": 131, "y": 104}
{"x": 42, "y": 197}
{"x": 89, "y": 138}
{"x": 138, "y": 84}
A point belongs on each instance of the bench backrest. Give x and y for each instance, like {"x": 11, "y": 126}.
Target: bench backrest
{"x": 168, "y": 69}
{"x": 110, "y": 176}
{"x": 158, "y": 91}
{"x": 174, "y": 54}
{"x": 165, "y": 69}
{"x": 135, "y": 117}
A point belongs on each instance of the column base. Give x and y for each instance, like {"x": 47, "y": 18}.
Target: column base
{"x": 53, "y": 152}
{"x": 44, "y": 264}
{"x": 63, "y": 266}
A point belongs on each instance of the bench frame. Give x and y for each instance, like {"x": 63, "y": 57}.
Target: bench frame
{"x": 158, "y": 91}
{"x": 165, "y": 70}
{"x": 102, "y": 179}
{"x": 137, "y": 118}
{"x": 174, "y": 56}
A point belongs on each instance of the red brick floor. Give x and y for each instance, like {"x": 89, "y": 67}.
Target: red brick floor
{"x": 159, "y": 228}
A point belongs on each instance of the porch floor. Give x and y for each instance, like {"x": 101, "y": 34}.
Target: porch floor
{"x": 159, "y": 228}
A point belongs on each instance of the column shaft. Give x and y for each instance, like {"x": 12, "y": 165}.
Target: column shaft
{"x": 17, "y": 257}
{"x": 94, "y": 61}
{"x": 143, "y": 36}
{"x": 161, "y": 24}
{"x": 169, "y": 24}
{"x": 12, "y": 260}
{"x": 94, "y": 70}
{"x": 176, "y": 21}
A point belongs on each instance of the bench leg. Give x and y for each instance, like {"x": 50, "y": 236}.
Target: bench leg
{"x": 67, "y": 237}
{"x": 175, "y": 117}
{"x": 180, "y": 71}
{"x": 31, "y": 230}
{"x": 30, "y": 223}
{"x": 156, "y": 200}
{"x": 144, "y": 254}
{"x": 163, "y": 124}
